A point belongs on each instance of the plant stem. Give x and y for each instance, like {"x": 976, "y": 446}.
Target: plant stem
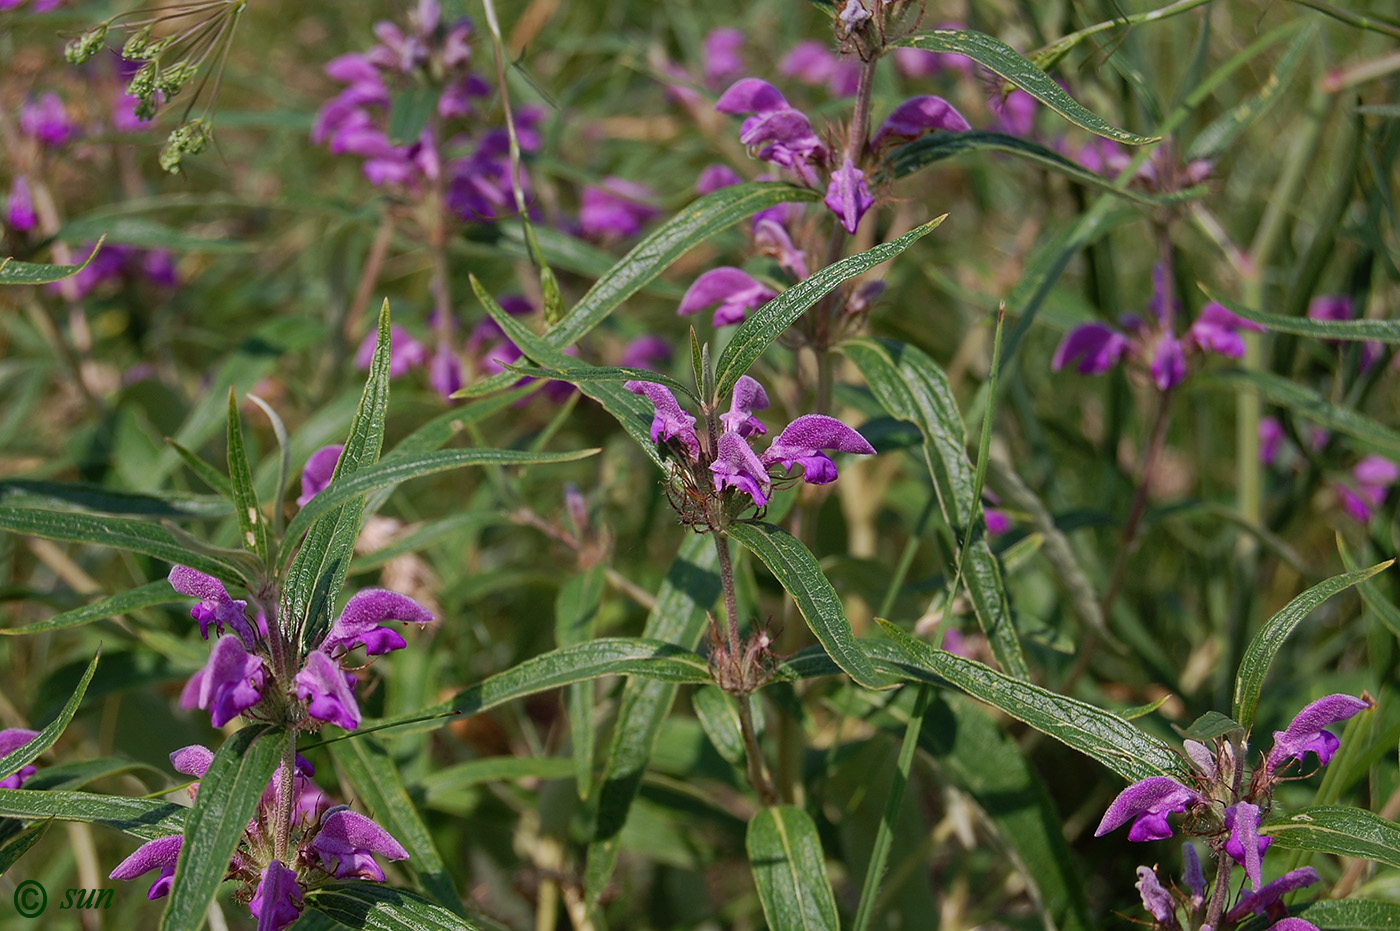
{"x": 757, "y": 768}
{"x": 283, "y": 828}
{"x": 1139, "y": 506}
{"x": 726, "y": 581}
{"x": 1223, "y": 863}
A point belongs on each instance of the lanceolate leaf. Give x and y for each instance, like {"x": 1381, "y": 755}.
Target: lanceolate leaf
{"x": 679, "y": 615}
{"x": 1100, "y": 734}
{"x": 11, "y": 852}
{"x": 252, "y": 526}
{"x": 78, "y": 496}
{"x": 587, "y": 373}
{"x": 152, "y": 593}
{"x": 770, "y": 321}
{"x": 1228, "y": 126}
{"x": 912, "y": 387}
{"x": 1346, "y": 832}
{"x": 1002, "y": 59}
{"x": 383, "y": 908}
{"x": 1351, "y": 914}
{"x": 228, "y": 795}
{"x": 1265, "y": 645}
{"x": 138, "y": 817}
{"x": 15, "y": 272}
{"x": 798, "y": 571}
{"x": 122, "y": 533}
{"x": 575, "y": 617}
{"x": 1381, "y": 331}
{"x": 23, "y": 756}
{"x": 789, "y": 870}
{"x": 317, "y": 572}
{"x": 401, "y": 468}
{"x": 376, "y": 781}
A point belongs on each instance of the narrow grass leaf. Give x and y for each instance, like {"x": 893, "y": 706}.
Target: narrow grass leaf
{"x": 1381, "y": 331}
{"x": 575, "y": 619}
{"x": 252, "y": 526}
{"x": 1368, "y": 434}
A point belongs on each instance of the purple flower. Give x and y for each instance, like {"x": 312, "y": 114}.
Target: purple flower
{"x": 1015, "y": 113}
{"x": 1097, "y": 347}
{"x": 1305, "y": 732}
{"x": 802, "y": 441}
{"x": 669, "y": 421}
{"x": 810, "y": 62}
{"x": 1192, "y": 875}
{"x": 405, "y": 352}
{"x": 614, "y": 209}
{"x": 277, "y": 903}
{"x": 328, "y": 691}
{"x": 46, "y": 120}
{"x": 1339, "y": 307}
{"x": 731, "y": 288}
{"x": 715, "y": 177}
{"x": 917, "y": 116}
{"x": 193, "y": 760}
{"x": 19, "y": 207}
{"x": 721, "y": 55}
{"x": 1158, "y": 901}
{"x": 215, "y": 606}
{"x": 1103, "y": 156}
{"x": 320, "y": 466}
{"x": 360, "y": 623}
{"x": 1262, "y": 901}
{"x": 11, "y": 739}
{"x": 1168, "y": 365}
{"x": 1270, "y": 439}
{"x": 230, "y": 684}
{"x": 161, "y": 854}
{"x": 771, "y": 238}
{"x": 1217, "y": 330}
{"x": 748, "y": 397}
{"x": 445, "y": 371}
{"x": 736, "y": 466}
{"x": 1373, "y": 477}
{"x": 645, "y": 352}
{"x": 1244, "y": 844}
{"x": 853, "y": 14}
{"x": 1148, "y": 802}
{"x": 782, "y": 135}
{"x": 750, "y": 95}
{"x": 346, "y": 844}
{"x": 847, "y": 196}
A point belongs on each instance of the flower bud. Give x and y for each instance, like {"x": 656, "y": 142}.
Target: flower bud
{"x": 86, "y": 45}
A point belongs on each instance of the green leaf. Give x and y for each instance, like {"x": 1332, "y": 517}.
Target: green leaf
{"x": 11, "y": 762}
{"x": 1346, "y": 832}
{"x": 75, "y": 774}
{"x": 789, "y": 870}
{"x": 689, "y": 227}
{"x": 1226, "y": 128}
{"x": 206, "y": 473}
{"x": 633, "y": 412}
{"x": 770, "y": 321}
{"x": 148, "y": 233}
{"x": 1382, "y": 607}
{"x": 148, "y": 595}
{"x": 1351, "y": 914}
{"x": 575, "y": 619}
{"x": 1381, "y": 331}
{"x": 316, "y": 574}
{"x": 719, "y": 717}
{"x": 912, "y": 387}
{"x": 402, "y": 468}
{"x": 79, "y": 496}
{"x": 588, "y": 373}
{"x": 138, "y": 817}
{"x": 376, "y": 781}
{"x": 409, "y": 111}
{"x": 252, "y": 526}
{"x": 32, "y": 273}
{"x": 228, "y": 795}
{"x": 11, "y": 852}
{"x": 122, "y": 533}
{"x": 907, "y": 159}
{"x": 1308, "y": 404}
{"x": 1254, "y": 666}
{"x": 1100, "y": 734}
{"x": 679, "y": 617}
{"x": 383, "y": 908}
{"x": 798, "y": 571}
{"x": 455, "y": 778}
{"x": 1211, "y": 725}
{"x": 1003, "y": 60}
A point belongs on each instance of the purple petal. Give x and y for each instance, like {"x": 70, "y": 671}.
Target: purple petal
{"x": 772, "y": 239}
{"x": 1376, "y": 471}
{"x": 788, "y": 129}
{"x": 360, "y": 622}
{"x": 11, "y": 739}
{"x": 847, "y": 196}
{"x": 1330, "y": 307}
{"x": 405, "y": 352}
{"x": 736, "y": 466}
{"x": 445, "y": 372}
{"x": 230, "y": 684}
{"x": 322, "y": 683}
{"x": 1168, "y": 366}
{"x": 731, "y": 288}
{"x": 751, "y": 95}
{"x": 1305, "y": 732}
{"x": 1158, "y": 901}
{"x": 721, "y": 55}
{"x": 1244, "y": 844}
{"x": 748, "y": 397}
{"x": 1015, "y": 113}
{"x": 1217, "y": 330}
{"x": 1271, "y": 437}
{"x": 645, "y": 352}
{"x": 810, "y": 62}
{"x": 347, "y": 841}
{"x": 161, "y": 854}
{"x": 669, "y": 422}
{"x": 1260, "y": 902}
{"x": 1097, "y": 347}
{"x": 1149, "y": 801}
{"x": 193, "y": 760}
{"x": 715, "y": 177}
{"x": 1192, "y": 876}
{"x": 317, "y": 474}
{"x": 802, "y": 441}
{"x": 19, "y": 208}
{"x": 277, "y": 903}
{"x": 919, "y": 115}
{"x": 616, "y": 208}
{"x": 215, "y": 606}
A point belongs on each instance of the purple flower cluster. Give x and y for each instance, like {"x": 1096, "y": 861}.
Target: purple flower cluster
{"x": 1216, "y": 808}
{"x": 725, "y": 457}
{"x": 476, "y": 176}
{"x": 47, "y": 121}
{"x": 1094, "y": 348}
{"x": 1360, "y": 492}
{"x": 324, "y": 841}
{"x": 116, "y": 265}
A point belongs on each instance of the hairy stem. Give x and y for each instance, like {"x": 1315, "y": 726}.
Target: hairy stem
{"x": 283, "y": 828}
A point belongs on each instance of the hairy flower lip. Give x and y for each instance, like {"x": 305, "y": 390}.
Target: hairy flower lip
{"x": 1148, "y": 802}
{"x": 1306, "y": 731}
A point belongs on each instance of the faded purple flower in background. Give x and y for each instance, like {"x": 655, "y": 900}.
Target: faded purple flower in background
{"x": 1158, "y": 902}
{"x": 1217, "y": 330}
{"x": 733, "y": 289}
{"x": 320, "y": 466}
{"x": 1015, "y": 113}
{"x": 715, "y": 177}
{"x": 47, "y": 120}
{"x": 1339, "y": 307}
{"x": 645, "y": 352}
{"x": 405, "y": 352}
{"x": 721, "y": 55}
{"x": 11, "y": 739}
{"x": 1096, "y": 346}
{"x": 1371, "y": 480}
{"x": 19, "y": 207}
{"x": 616, "y": 208}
